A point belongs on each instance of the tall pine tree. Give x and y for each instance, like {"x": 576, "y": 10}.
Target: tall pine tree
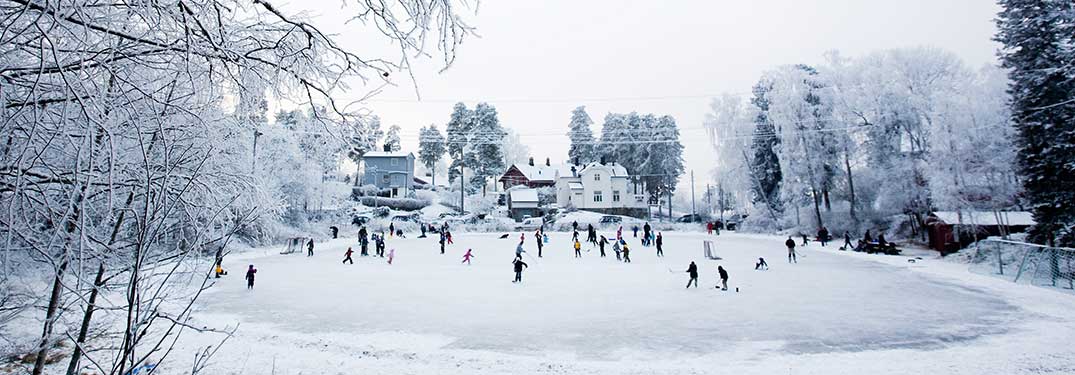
{"x": 485, "y": 156}
{"x": 431, "y": 149}
{"x": 1038, "y": 39}
{"x": 458, "y": 129}
{"x": 765, "y": 165}
{"x": 391, "y": 139}
{"x": 582, "y": 141}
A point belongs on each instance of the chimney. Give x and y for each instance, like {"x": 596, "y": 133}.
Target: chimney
{"x": 574, "y": 172}
{"x": 547, "y": 163}
{"x": 602, "y": 160}
{"x": 531, "y": 161}
{"x": 387, "y": 148}
{"x": 575, "y": 161}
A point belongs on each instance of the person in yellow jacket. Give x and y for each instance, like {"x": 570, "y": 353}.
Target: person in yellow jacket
{"x": 578, "y": 248}
{"x": 219, "y": 270}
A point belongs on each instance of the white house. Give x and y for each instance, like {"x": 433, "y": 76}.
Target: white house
{"x": 600, "y": 187}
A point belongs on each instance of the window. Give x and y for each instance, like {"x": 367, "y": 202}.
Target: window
{"x": 597, "y": 177}
{"x": 597, "y": 196}
{"x": 615, "y": 195}
{"x": 395, "y": 162}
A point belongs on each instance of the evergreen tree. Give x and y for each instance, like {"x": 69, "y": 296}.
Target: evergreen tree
{"x": 765, "y": 165}
{"x": 1038, "y": 38}
{"x": 663, "y": 157}
{"x": 485, "y": 156}
{"x": 582, "y": 141}
{"x": 458, "y": 129}
{"x": 431, "y": 149}
{"x": 391, "y": 139}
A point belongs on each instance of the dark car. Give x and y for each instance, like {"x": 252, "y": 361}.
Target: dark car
{"x": 690, "y": 218}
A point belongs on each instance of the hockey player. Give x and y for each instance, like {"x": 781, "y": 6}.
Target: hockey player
{"x": 790, "y": 243}
{"x": 692, "y": 270}
{"x": 519, "y": 265}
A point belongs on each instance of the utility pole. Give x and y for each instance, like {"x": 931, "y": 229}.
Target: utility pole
{"x": 694, "y": 210}
{"x": 254, "y": 158}
{"x": 462, "y": 192}
{"x": 708, "y": 200}
{"x": 720, "y": 200}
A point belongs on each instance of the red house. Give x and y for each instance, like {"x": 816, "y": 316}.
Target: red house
{"x": 530, "y": 176}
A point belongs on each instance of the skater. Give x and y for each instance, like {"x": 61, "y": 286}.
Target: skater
{"x": 250, "y": 277}
{"x": 723, "y": 278}
{"x": 660, "y": 242}
{"x": 761, "y": 265}
{"x": 335, "y": 231}
{"x": 519, "y": 250}
{"x": 790, "y": 243}
{"x": 391, "y": 255}
{"x": 522, "y": 237}
{"x": 220, "y": 270}
{"x": 347, "y": 256}
{"x": 399, "y": 233}
{"x": 391, "y": 229}
{"x": 467, "y": 256}
{"x": 866, "y": 237}
{"x": 634, "y": 229}
{"x": 363, "y": 241}
{"x": 626, "y": 254}
{"x": 578, "y": 248}
{"x": 443, "y": 238}
{"x": 448, "y": 236}
{"x": 423, "y": 227}
{"x": 591, "y": 234}
{"x": 616, "y": 249}
{"x": 380, "y": 245}
{"x": 310, "y": 248}
{"x": 619, "y": 233}
{"x": 575, "y": 226}
{"x": 575, "y": 236}
{"x": 847, "y": 241}
{"x": 540, "y": 243}
{"x": 693, "y": 271}
{"x": 805, "y": 240}
{"x": 823, "y": 235}
{"x": 519, "y": 265}
{"x": 709, "y": 227}
{"x": 601, "y": 245}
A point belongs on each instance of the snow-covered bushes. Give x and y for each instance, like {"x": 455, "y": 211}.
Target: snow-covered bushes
{"x": 402, "y": 204}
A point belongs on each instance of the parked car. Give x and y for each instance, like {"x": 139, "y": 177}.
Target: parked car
{"x": 412, "y": 217}
{"x": 690, "y": 218}
{"x": 359, "y": 219}
{"x": 530, "y": 224}
{"x": 609, "y": 219}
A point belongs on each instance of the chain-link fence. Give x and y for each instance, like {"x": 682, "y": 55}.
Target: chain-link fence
{"x": 1027, "y": 263}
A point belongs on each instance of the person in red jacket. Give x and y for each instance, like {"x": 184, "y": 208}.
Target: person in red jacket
{"x": 250, "y": 277}
{"x": 347, "y": 256}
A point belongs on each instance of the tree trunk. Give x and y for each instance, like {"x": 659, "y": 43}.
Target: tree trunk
{"x": 72, "y": 368}
{"x": 850, "y": 185}
{"x": 50, "y": 318}
{"x": 817, "y": 208}
{"x": 828, "y": 204}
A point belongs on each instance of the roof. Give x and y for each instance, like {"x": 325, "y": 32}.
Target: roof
{"x": 574, "y": 185}
{"x": 384, "y": 154}
{"x": 1021, "y": 218}
{"x": 524, "y": 195}
{"x": 537, "y": 173}
{"x": 616, "y": 169}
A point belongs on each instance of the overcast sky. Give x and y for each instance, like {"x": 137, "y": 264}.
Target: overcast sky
{"x": 537, "y": 60}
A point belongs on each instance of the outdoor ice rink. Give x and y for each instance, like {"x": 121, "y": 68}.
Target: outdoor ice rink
{"x": 832, "y": 312}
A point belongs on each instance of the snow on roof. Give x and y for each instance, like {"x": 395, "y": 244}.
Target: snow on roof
{"x": 574, "y": 185}
{"x": 538, "y": 172}
{"x": 616, "y": 169}
{"x": 385, "y": 154}
{"x": 524, "y": 195}
{"x": 986, "y": 217}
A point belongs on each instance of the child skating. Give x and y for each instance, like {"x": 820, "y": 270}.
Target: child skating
{"x": 391, "y": 255}
{"x": 347, "y": 256}
{"x": 692, "y": 270}
{"x": 250, "y": 277}
{"x": 578, "y": 249}
{"x": 467, "y": 256}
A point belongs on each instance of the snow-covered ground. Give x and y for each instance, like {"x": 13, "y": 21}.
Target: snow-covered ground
{"x": 832, "y": 313}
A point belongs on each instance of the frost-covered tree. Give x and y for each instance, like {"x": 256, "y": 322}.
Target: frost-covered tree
{"x": 485, "y": 154}
{"x": 583, "y": 144}
{"x": 764, "y": 162}
{"x": 514, "y": 150}
{"x": 458, "y": 130}
{"x": 1038, "y": 39}
{"x": 431, "y": 149}
{"x": 663, "y": 162}
{"x": 728, "y": 125}
{"x": 364, "y": 136}
{"x": 391, "y": 139}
